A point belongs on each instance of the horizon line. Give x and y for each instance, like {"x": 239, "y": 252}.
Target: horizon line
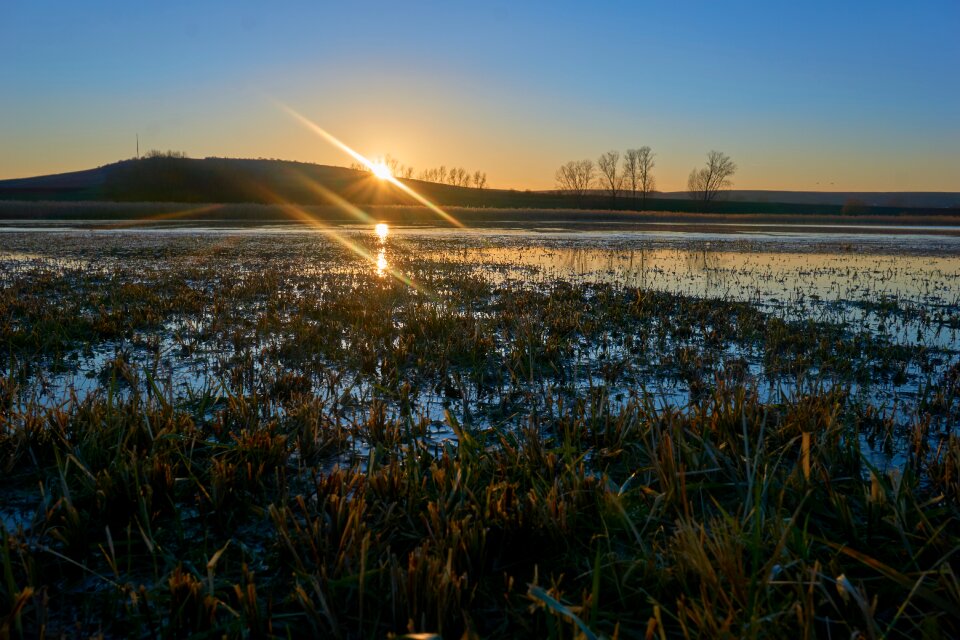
{"x": 489, "y": 188}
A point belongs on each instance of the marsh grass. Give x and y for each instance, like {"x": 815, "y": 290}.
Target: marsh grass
{"x": 478, "y": 457}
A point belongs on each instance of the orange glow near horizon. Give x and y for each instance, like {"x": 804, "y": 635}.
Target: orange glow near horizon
{"x": 378, "y": 169}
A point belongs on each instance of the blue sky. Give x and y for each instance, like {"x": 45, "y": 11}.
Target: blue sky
{"x": 841, "y": 96}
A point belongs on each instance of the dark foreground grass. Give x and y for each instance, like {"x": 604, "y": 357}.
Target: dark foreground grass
{"x": 274, "y": 502}
{"x": 739, "y": 519}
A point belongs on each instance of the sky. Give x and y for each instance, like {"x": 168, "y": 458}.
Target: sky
{"x": 836, "y": 96}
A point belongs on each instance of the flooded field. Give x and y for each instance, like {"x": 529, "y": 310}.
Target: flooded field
{"x": 497, "y": 432}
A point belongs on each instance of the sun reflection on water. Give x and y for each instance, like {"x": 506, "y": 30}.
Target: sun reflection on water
{"x": 382, "y": 230}
{"x": 382, "y": 261}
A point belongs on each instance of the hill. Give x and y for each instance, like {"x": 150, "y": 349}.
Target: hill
{"x": 225, "y": 180}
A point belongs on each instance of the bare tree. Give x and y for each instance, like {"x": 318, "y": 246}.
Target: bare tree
{"x": 704, "y": 184}
{"x": 631, "y": 170}
{"x": 156, "y": 153}
{"x": 638, "y": 171}
{"x": 610, "y": 172}
{"x": 391, "y": 163}
{"x": 645, "y": 164}
{"x": 479, "y": 179}
{"x": 458, "y": 177}
{"x": 575, "y": 177}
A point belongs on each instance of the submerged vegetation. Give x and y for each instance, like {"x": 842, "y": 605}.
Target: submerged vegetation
{"x": 479, "y": 436}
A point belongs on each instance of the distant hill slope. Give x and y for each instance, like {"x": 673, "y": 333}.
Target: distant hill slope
{"x": 165, "y": 179}
{"x": 76, "y": 185}
{"x": 224, "y": 180}
{"x": 228, "y": 180}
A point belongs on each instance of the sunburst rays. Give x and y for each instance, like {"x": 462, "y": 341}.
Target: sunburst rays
{"x": 386, "y": 176}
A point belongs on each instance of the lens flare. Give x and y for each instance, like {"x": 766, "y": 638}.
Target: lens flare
{"x": 382, "y": 230}
{"x": 389, "y": 177}
{"x": 301, "y": 214}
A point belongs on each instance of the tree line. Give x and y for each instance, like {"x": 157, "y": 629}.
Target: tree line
{"x": 633, "y": 173}
{"x": 455, "y": 176}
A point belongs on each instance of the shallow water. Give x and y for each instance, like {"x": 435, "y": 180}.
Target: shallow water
{"x": 903, "y": 290}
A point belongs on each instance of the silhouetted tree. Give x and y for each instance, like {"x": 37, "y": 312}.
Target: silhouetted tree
{"x": 156, "y": 153}
{"x": 609, "y": 164}
{"x": 647, "y": 182}
{"x": 456, "y": 176}
{"x": 575, "y": 177}
{"x": 631, "y": 171}
{"x": 392, "y": 163}
{"x": 459, "y": 177}
{"x": 638, "y": 171}
{"x": 704, "y": 184}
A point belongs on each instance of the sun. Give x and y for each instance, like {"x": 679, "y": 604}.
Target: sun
{"x": 381, "y": 170}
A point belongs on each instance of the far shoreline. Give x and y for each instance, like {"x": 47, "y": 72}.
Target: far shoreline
{"x": 160, "y": 214}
